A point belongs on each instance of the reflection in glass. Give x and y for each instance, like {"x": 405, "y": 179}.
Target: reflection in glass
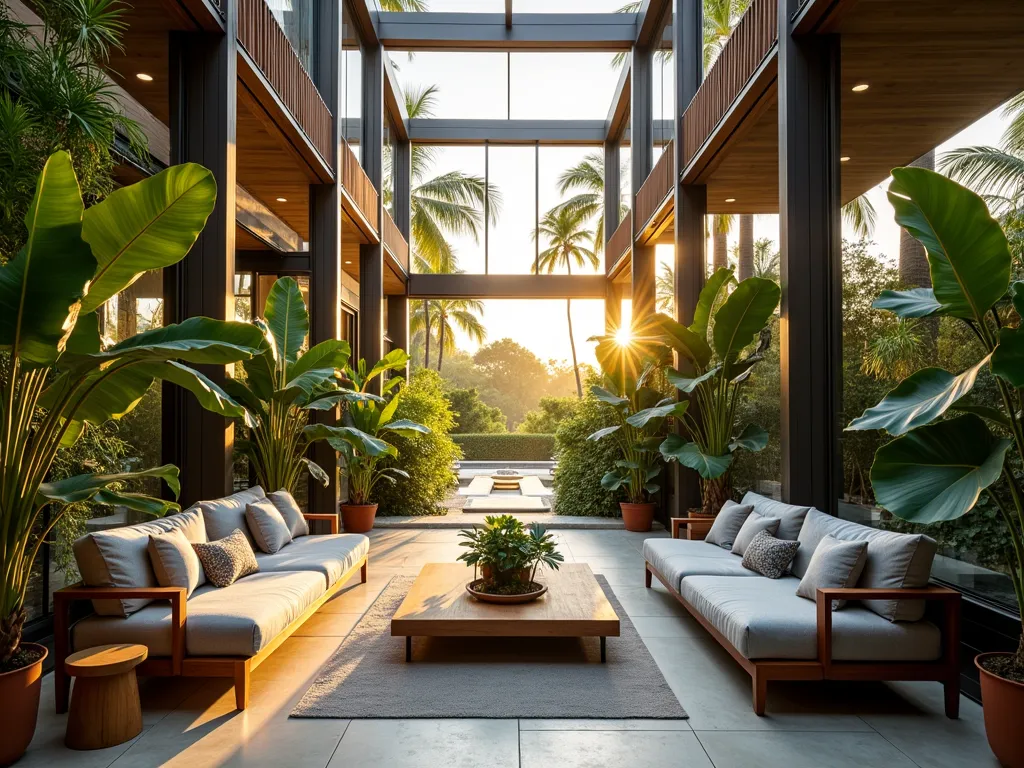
{"x": 351, "y": 82}
{"x": 296, "y": 20}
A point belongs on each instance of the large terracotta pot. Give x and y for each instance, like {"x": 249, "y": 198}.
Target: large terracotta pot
{"x": 637, "y": 517}
{"x": 358, "y": 518}
{"x": 1003, "y": 703}
{"x": 19, "y": 706}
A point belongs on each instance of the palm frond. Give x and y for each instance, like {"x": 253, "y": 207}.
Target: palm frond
{"x": 986, "y": 169}
{"x": 860, "y": 214}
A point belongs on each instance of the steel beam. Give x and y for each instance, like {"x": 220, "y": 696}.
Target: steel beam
{"x": 371, "y": 257}
{"x": 515, "y": 132}
{"x": 618, "y": 113}
{"x": 641, "y": 117}
{"x": 506, "y": 286}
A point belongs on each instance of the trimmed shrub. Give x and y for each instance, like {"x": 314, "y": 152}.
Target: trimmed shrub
{"x": 427, "y": 458}
{"x": 582, "y": 463}
{"x": 511, "y": 446}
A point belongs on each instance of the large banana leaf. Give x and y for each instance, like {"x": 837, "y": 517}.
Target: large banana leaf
{"x": 287, "y": 318}
{"x": 687, "y": 343}
{"x": 641, "y": 419}
{"x": 687, "y": 384}
{"x": 144, "y": 226}
{"x": 333, "y": 353}
{"x": 1008, "y": 357}
{"x": 936, "y": 472}
{"x": 245, "y": 397}
{"x": 195, "y": 340}
{"x": 393, "y": 360}
{"x": 968, "y": 255}
{"x": 919, "y": 399}
{"x": 740, "y": 319}
{"x": 690, "y": 455}
{"x": 354, "y": 438}
{"x": 917, "y": 302}
{"x": 71, "y": 490}
{"x": 304, "y": 384}
{"x": 41, "y": 288}
{"x": 706, "y": 302}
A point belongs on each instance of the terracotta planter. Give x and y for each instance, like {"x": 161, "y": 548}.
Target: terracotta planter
{"x": 637, "y": 517}
{"x": 1003, "y": 703}
{"x": 19, "y": 706}
{"x": 490, "y": 575}
{"x": 358, "y": 518}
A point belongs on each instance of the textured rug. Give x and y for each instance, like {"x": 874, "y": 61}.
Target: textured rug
{"x": 368, "y": 676}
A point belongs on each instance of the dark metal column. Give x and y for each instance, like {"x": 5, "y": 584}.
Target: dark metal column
{"x": 809, "y": 234}
{"x": 371, "y": 257}
{"x": 641, "y": 120}
{"x": 612, "y": 186}
{"x": 325, "y": 243}
{"x": 398, "y": 306}
{"x": 203, "y": 103}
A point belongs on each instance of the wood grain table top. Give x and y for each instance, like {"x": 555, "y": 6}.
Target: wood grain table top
{"x": 103, "y": 660}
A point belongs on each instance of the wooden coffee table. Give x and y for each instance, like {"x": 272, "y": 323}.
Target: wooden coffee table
{"x": 439, "y": 606}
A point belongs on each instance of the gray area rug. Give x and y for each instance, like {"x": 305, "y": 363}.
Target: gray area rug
{"x": 368, "y": 676}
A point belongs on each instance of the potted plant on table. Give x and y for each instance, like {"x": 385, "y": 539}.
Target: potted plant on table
{"x": 508, "y": 555}
{"x": 57, "y": 380}
{"x": 720, "y": 353}
{"x": 939, "y": 464}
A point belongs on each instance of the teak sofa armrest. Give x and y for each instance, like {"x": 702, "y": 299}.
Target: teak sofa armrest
{"x": 331, "y": 516}
{"x": 679, "y": 522}
{"x": 950, "y": 599}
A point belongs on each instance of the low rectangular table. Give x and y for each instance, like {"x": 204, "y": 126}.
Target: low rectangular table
{"x": 439, "y": 606}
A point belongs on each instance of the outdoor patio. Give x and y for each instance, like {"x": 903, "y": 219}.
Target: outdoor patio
{"x": 193, "y": 721}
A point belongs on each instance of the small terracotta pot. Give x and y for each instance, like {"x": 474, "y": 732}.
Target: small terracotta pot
{"x": 637, "y": 517}
{"x": 1003, "y": 705}
{"x": 358, "y": 518}
{"x": 19, "y": 706}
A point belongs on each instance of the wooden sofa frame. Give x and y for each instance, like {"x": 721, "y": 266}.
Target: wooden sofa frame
{"x": 180, "y": 664}
{"x": 946, "y": 670}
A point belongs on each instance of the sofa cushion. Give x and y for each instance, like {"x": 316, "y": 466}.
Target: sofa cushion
{"x": 676, "y": 559}
{"x": 769, "y": 556}
{"x": 267, "y": 526}
{"x": 753, "y": 525}
{"x": 239, "y": 620}
{"x": 764, "y": 619}
{"x": 223, "y": 516}
{"x": 835, "y": 564}
{"x": 227, "y": 560}
{"x": 330, "y": 555}
{"x": 119, "y": 557}
{"x": 728, "y": 522}
{"x": 894, "y": 560}
{"x": 791, "y": 516}
{"x": 174, "y": 561}
{"x": 290, "y": 511}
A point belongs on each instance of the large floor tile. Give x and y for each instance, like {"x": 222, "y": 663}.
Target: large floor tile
{"x": 801, "y": 750}
{"x": 668, "y": 627}
{"x": 610, "y": 749}
{"x": 428, "y": 744}
{"x": 603, "y": 725}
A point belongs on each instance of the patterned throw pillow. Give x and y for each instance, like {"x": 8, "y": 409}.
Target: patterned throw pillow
{"x": 769, "y": 556}
{"x": 227, "y": 560}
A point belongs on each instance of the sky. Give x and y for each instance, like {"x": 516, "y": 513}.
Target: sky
{"x": 561, "y": 86}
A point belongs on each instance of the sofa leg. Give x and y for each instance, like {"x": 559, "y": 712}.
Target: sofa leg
{"x": 951, "y": 694}
{"x": 362, "y": 571}
{"x": 760, "y": 690}
{"x": 242, "y": 685}
{"x": 647, "y": 577}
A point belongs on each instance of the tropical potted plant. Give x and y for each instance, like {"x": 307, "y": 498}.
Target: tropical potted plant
{"x": 724, "y": 328}
{"x": 367, "y": 420}
{"x": 939, "y": 464}
{"x": 57, "y": 380}
{"x": 282, "y": 385}
{"x": 508, "y": 555}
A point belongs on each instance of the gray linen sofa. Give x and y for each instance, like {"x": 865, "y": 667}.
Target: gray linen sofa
{"x": 774, "y": 634}
{"x": 215, "y": 632}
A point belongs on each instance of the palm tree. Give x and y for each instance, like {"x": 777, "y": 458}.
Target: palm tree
{"x": 745, "y": 250}
{"x": 913, "y": 264}
{"x": 859, "y": 213}
{"x": 567, "y": 234}
{"x": 766, "y": 259}
{"x": 586, "y": 178}
{"x": 721, "y": 223}
{"x": 463, "y": 313}
{"x": 665, "y": 289}
{"x": 720, "y": 16}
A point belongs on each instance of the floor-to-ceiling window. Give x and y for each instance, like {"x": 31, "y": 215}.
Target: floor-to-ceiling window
{"x": 351, "y": 82}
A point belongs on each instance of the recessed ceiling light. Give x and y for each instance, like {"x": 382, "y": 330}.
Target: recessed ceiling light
{"x": 348, "y": 262}
{"x": 730, "y": 199}
{"x": 282, "y": 199}
{"x": 860, "y": 87}
{"x": 844, "y": 159}
{"x": 144, "y": 77}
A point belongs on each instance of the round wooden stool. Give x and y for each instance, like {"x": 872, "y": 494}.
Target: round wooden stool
{"x": 105, "y": 709}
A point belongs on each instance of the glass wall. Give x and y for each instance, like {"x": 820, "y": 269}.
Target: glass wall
{"x": 562, "y": 86}
{"x": 351, "y": 82}
{"x": 511, "y": 248}
{"x": 662, "y": 92}
{"x": 296, "y": 19}
{"x": 390, "y": 142}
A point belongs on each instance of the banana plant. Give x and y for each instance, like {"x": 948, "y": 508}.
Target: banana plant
{"x": 728, "y": 337}
{"x": 939, "y": 463}
{"x": 367, "y": 420}
{"x": 57, "y": 379}
{"x": 282, "y": 385}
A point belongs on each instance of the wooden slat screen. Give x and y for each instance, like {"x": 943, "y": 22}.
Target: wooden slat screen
{"x": 656, "y": 187}
{"x": 358, "y": 186}
{"x": 394, "y": 241}
{"x": 268, "y": 46}
{"x": 743, "y": 52}
{"x": 620, "y": 241}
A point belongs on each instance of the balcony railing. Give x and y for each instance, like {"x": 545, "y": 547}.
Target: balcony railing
{"x": 656, "y": 188}
{"x": 743, "y": 52}
{"x": 268, "y": 46}
{"x": 358, "y": 186}
{"x": 620, "y": 241}
{"x": 394, "y": 241}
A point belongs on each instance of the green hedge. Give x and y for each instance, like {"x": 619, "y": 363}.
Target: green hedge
{"x": 506, "y": 447}
{"x": 582, "y": 462}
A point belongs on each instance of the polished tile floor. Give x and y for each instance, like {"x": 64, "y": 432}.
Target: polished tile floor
{"x": 192, "y": 722}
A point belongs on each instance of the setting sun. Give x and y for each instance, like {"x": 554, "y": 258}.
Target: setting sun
{"x": 624, "y": 336}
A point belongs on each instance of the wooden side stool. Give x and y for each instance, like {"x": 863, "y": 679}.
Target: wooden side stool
{"x": 105, "y": 709}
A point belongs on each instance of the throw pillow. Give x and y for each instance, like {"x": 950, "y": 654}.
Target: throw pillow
{"x": 290, "y": 511}
{"x": 268, "y": 528}
{"x": 834, "y": 563}
{"x": 753, "y": 525}
{"x": 728, "y": 523}
{"x": 174, "y": 561}
{"x": 227, "y": 560}
{"x": 224, "y": 516}
{"x": 769, "y": 556}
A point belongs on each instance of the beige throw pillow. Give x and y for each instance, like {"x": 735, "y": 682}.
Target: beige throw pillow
{"x": 267, "y": 526}
{"x": 175, "y": 562}
{"x": 290, "y": 511}
{"x": 227, "y": 560}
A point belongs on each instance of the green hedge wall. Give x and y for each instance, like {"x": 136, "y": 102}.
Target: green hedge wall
{"x": 506, "y": 447}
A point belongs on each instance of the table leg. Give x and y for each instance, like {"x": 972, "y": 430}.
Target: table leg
{"x": 604, "y": 657}
{"x": 408, "y": 648}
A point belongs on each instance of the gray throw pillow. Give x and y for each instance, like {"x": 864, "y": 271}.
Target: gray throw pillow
{"x": 834, "y": 563}
{"x": 753, "y": 525}
{"x": 175, "y": 562}
{"x": 224, "y": 516}
{"x": 290, "y": 511}
{"x": 227, "y": 560}
{"x": 728, "y": 523}
{"x": 769, "y": 556}
{"x": 267, "y": 526}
